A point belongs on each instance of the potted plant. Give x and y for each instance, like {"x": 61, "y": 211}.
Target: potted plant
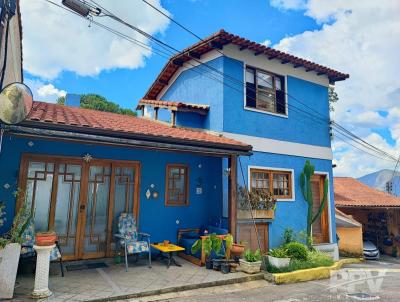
{"x": 10, "y": 249}
{"x": 278, "y": 257}
{"x": 209, "y": 244}
{"x": 252, "y": 262}
{"x": 225, "y": 265}
{"x": 45, "y": 238}
{"x": 255, "y": 204}
{"x": 237, "y": 249}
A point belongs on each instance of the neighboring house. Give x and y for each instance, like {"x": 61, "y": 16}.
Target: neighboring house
{"x": 81, "y": 168}
{"x": 349, "y": 232}
{"x": 10, "y": 43}
{"x": 377, "y": 211}
{"x": 276, "y": 102}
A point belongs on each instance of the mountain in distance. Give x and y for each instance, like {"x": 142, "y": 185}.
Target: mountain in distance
{"x": 379, "y": 179}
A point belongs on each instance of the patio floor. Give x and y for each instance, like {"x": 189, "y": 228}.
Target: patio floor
{"x": 113, "y": 281}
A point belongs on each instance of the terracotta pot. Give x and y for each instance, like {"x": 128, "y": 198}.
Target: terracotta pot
{"x": 45, "y": 239}
{"x": 237, "y": 250}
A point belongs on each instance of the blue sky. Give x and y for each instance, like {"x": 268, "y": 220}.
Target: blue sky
{"x": 127, "y": 86}
{"x": 63, "y": 54}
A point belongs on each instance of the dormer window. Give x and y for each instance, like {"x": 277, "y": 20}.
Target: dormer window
{"x": 265, "y": 91}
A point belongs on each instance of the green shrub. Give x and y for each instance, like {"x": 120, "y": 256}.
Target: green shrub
{"x": 297, "y": 250}
{"x": 278, "y": 252}
{"x": 288, "y": 236}
{"x": 249, "y": 256}
{"x": 314, "y": 259}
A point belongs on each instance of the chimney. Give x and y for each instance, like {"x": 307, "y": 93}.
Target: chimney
{"x": 72, "y": 100}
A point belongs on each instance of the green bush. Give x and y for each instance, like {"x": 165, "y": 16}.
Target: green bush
{"x": 314, "y": 259}
{"x": 297, "y": 250}
{"x": 288, "y": 236}
{"x": 249, "y": 256}
{"x": 278, "y": 252}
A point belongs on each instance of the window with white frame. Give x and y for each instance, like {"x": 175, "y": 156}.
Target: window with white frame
{"x": 277, "y": 182}
{"x": 265, "y": 91}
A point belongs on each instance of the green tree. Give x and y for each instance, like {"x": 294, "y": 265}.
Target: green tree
{"x": 333, "y": 97}
{"x": 98, "y": 102}
{"x": 61, "y": 100}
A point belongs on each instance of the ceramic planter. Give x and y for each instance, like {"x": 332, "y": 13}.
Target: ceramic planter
{"x": 209, "y": 264}
{"x": 45, "y": 239}
{"x": 9, "y": 258}
{"x": 217, "y": 264}
{"x": 278, "y": 262}
{"x": 250, "y": 267}
{"x": 257, "y": 214}
{"x": 237, "y": 250}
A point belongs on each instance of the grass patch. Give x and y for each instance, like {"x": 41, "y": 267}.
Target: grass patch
{"x": 314, "y": 259}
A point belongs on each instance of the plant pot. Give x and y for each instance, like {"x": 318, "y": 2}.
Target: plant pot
{"x": 257, "y": 214}
{"x": 45, "y": 239}
{"x": 250, "y": 267}
{"x": 217, "y": 264}
{"x": 278, "y": 262}
{"x": 209, "y": 264}
{"x": 9, "y": 258}
{"x": 225, "y": 268}
{"x": 237, "y": 250}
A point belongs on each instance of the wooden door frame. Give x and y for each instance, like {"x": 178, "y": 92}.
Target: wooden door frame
{"x": 83, "y": 194}
{"x": 326, "y": 220}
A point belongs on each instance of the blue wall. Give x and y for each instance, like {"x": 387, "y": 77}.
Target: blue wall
{"x": 192, "y": 86}
{"x": 291, "y": 214}
{"x": 298, "y": 127}
{"x": 154, "y": 217}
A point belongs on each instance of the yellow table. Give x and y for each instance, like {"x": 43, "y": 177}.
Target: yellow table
{"x": 169, "y": 250}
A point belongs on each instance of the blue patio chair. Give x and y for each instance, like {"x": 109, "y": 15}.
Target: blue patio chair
{"x": 28, "y": 241}
{"x": 133, "y": 241}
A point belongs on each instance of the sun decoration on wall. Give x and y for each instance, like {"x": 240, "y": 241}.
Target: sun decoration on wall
{"x": 87, "y": 157}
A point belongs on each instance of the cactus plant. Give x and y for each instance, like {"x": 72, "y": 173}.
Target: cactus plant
{"x": 306, "y": 189}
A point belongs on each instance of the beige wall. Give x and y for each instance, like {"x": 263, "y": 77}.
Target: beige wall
{"x": 350, "y": 242}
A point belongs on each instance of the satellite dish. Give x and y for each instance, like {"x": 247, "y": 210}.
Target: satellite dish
{"x": 15, "y": 103}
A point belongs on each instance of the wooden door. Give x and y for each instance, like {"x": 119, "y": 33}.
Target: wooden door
{"x": 320, "y": 228}
{"x": 248, "y": 236}
{"x": 80, "y": 201}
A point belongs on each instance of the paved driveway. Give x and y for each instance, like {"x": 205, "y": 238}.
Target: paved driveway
{"x": 372, "y": 280}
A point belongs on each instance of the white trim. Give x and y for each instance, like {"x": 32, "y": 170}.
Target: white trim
{"x": 261, "y": 61}
{"x": 263, "y": 111}
{"x": 274, "y": 169}
{"x": 212, "y": 55}
{"x": 267, "y": 145}
{"x": 329, "y": 203}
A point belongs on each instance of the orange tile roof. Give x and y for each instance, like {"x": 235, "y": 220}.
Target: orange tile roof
{"x": 171, "y": 104}
{"x": 350, "y": 192}
{"x": 221, "y": 38}
{"x": 112, "y": 124}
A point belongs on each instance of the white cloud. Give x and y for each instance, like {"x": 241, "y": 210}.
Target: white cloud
{"x": 361, "y": 38}
{"x": 45, "y": 92}
{"x": 267, "y": 43}
{"x": 50, "y": 90}
{"x": 55, "y": 40}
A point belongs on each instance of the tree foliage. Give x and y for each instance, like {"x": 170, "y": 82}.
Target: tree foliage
{"x": 98, "y": 102}
{"x": 333, "y": 97}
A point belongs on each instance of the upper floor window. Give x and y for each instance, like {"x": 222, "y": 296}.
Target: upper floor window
{"x": 265, "y": 91}
{"x": 279, "y": 183}
{"x": 177, "y": 185}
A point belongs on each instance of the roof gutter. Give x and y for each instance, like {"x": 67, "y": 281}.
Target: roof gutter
{"x": 131, "y": 142}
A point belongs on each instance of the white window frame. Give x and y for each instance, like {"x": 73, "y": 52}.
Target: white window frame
{"x": 245, "y": 65}
{"x": 274, "y": 169}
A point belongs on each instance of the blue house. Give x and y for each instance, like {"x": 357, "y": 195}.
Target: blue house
{"x": 225, "y": 111}
{"x": 273, "y": 101}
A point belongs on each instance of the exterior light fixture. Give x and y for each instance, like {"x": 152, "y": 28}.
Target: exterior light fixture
{"x": 81, "y": 8}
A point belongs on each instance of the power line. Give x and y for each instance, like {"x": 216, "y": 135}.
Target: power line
{"x": 170, "y": 50}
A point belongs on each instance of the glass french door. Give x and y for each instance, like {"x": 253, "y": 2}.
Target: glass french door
{"x": 80, "y": 201}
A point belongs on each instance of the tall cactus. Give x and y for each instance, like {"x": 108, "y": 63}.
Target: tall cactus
{"x": 305, "y": 184}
